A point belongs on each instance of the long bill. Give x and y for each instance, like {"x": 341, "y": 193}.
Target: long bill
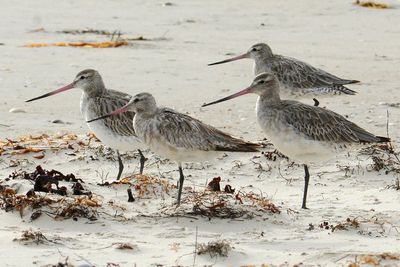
{"x": 245, "y": 55}
{"x": 62, "y": 89}
{"x": 115, "y": 112}
{"x": 240, "y": 93}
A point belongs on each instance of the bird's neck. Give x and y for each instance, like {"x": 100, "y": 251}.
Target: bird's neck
{"x": 147, "y": 113}
{"x": 269, "y": 97}
{"x": 96, "y": 89}
{"x": 263, "y": 58}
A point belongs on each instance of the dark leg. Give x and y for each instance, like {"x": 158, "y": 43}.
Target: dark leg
{"x": 306, "y": 180}
{"x": 181, "y": 179}
{"x": 120, "y": 165}
{"x": 316, "y": 102}
{"x": 142, "y": 161}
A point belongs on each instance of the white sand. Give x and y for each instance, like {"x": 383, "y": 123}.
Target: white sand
{"x": 347, "y": 40}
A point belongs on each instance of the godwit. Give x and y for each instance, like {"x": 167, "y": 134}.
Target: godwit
{"x": 296, "y": 77}
{"x": 304, "y": 133}
{"x": 177, "y": 136}
{"x": 116, "y": 132}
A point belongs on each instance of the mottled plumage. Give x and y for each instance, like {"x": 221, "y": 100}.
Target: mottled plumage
{"x": 321, "y": 124}
{"x": 181, "y": 131}
{"x": 116, "y": 132}
{"x": 297, "y": 78}
{"x": 177, "y": 136}
{"x": 302, "y": 132}
{"x": 106, "y": 102}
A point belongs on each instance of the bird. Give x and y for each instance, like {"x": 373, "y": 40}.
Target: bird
{"x": 296, "y": 78}
{"x": 304, "y": 133}
{"x": 116, "y": 132}
{"x": 177, "y": 136}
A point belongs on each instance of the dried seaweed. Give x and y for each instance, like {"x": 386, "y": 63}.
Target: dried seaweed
{"x": 383, "y": 259}
{"x": 227, "y": 205}
{"x": 145, "y": 186}
{"x": 41, "y": 144}
{"x": 125, "y": 246}
{"x": 384, "y": 157}
{"x": 30, "y": 236}
{"x": 108, "y": 44}
{"x": 371, "y": 4}
{"x": 55, "y": 206}
{"x": 43, "y": 178}
{"x": 90, "y": 31}
{"x": 274, "y": 155}
{"x": 214, "y": 184}
{"x": 214, "y": 248}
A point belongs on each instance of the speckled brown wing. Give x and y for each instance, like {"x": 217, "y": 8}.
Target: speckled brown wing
{"x": 324, "y": 125}
{"x": 297, "y": 74}
{"x": 183, "y": 131}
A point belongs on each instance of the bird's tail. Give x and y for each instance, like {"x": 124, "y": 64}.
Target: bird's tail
{"x": 239, "y": 146}
{"x": 382, "y": 139}
{"x": 343, "y": 82}
{"x": 340, "y": 89}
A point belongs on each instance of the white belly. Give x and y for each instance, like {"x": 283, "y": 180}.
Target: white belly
{"x": 289, "y": 142}
{"x": 299, "y": 148}
{"x": 113, "y": 140}
{"x": 180, "y": 154}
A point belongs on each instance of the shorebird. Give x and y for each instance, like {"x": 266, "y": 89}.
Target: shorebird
{"x": 296, "y": 77}
{"x": 177, "y": 136}
{"x": 302, "y": 132}
{"x": 116, "y": 132}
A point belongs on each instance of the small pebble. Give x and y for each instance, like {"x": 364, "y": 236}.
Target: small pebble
{"x": 17, "y": 110}
{"x": 58, "y": 121}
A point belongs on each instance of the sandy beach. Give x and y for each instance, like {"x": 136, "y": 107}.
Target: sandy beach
{"x": 353, "y": 200}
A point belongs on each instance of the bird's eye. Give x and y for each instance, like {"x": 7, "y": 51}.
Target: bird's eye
{"x": 261, "y": 82}
{"x": 136, "y": 100}
{"x": 254, "y": 49}
{"x": 82, "y": 77}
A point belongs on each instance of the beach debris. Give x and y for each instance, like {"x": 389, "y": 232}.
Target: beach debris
{"x": 46, "y": 176}
{"x": 145, "y": 186}
{"x": 375, "y": 225}
{"x": 30, "y": 236}
{"x": 383, "y": 259}
{"x": 40, "y": 29}
{"x": 89, "y": 31}
{"x": 41, "y": 144}
{"x": 349, "y": 223}
{"x": 108, "y": 44}
{"x": 57, "y": 121}
{"x": 17, "y": 110}
{"x": 228, "y": 189}
{"x": 218, "y": 248}
{"x": 66, "y": 263}
{"x": 371, "y": 4}
{"x": 274, "y": 155}
{"x": 214, "y": 184}
{"x": 130, "y": 196}
{"x": 384, "y": 157}
{"x": 395, "y": 185}
{"x": 43, "y": 183}
{"x": 54, "y": 205}
{"x": 227, "y": 205}
{"x": 125, "y": 246}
